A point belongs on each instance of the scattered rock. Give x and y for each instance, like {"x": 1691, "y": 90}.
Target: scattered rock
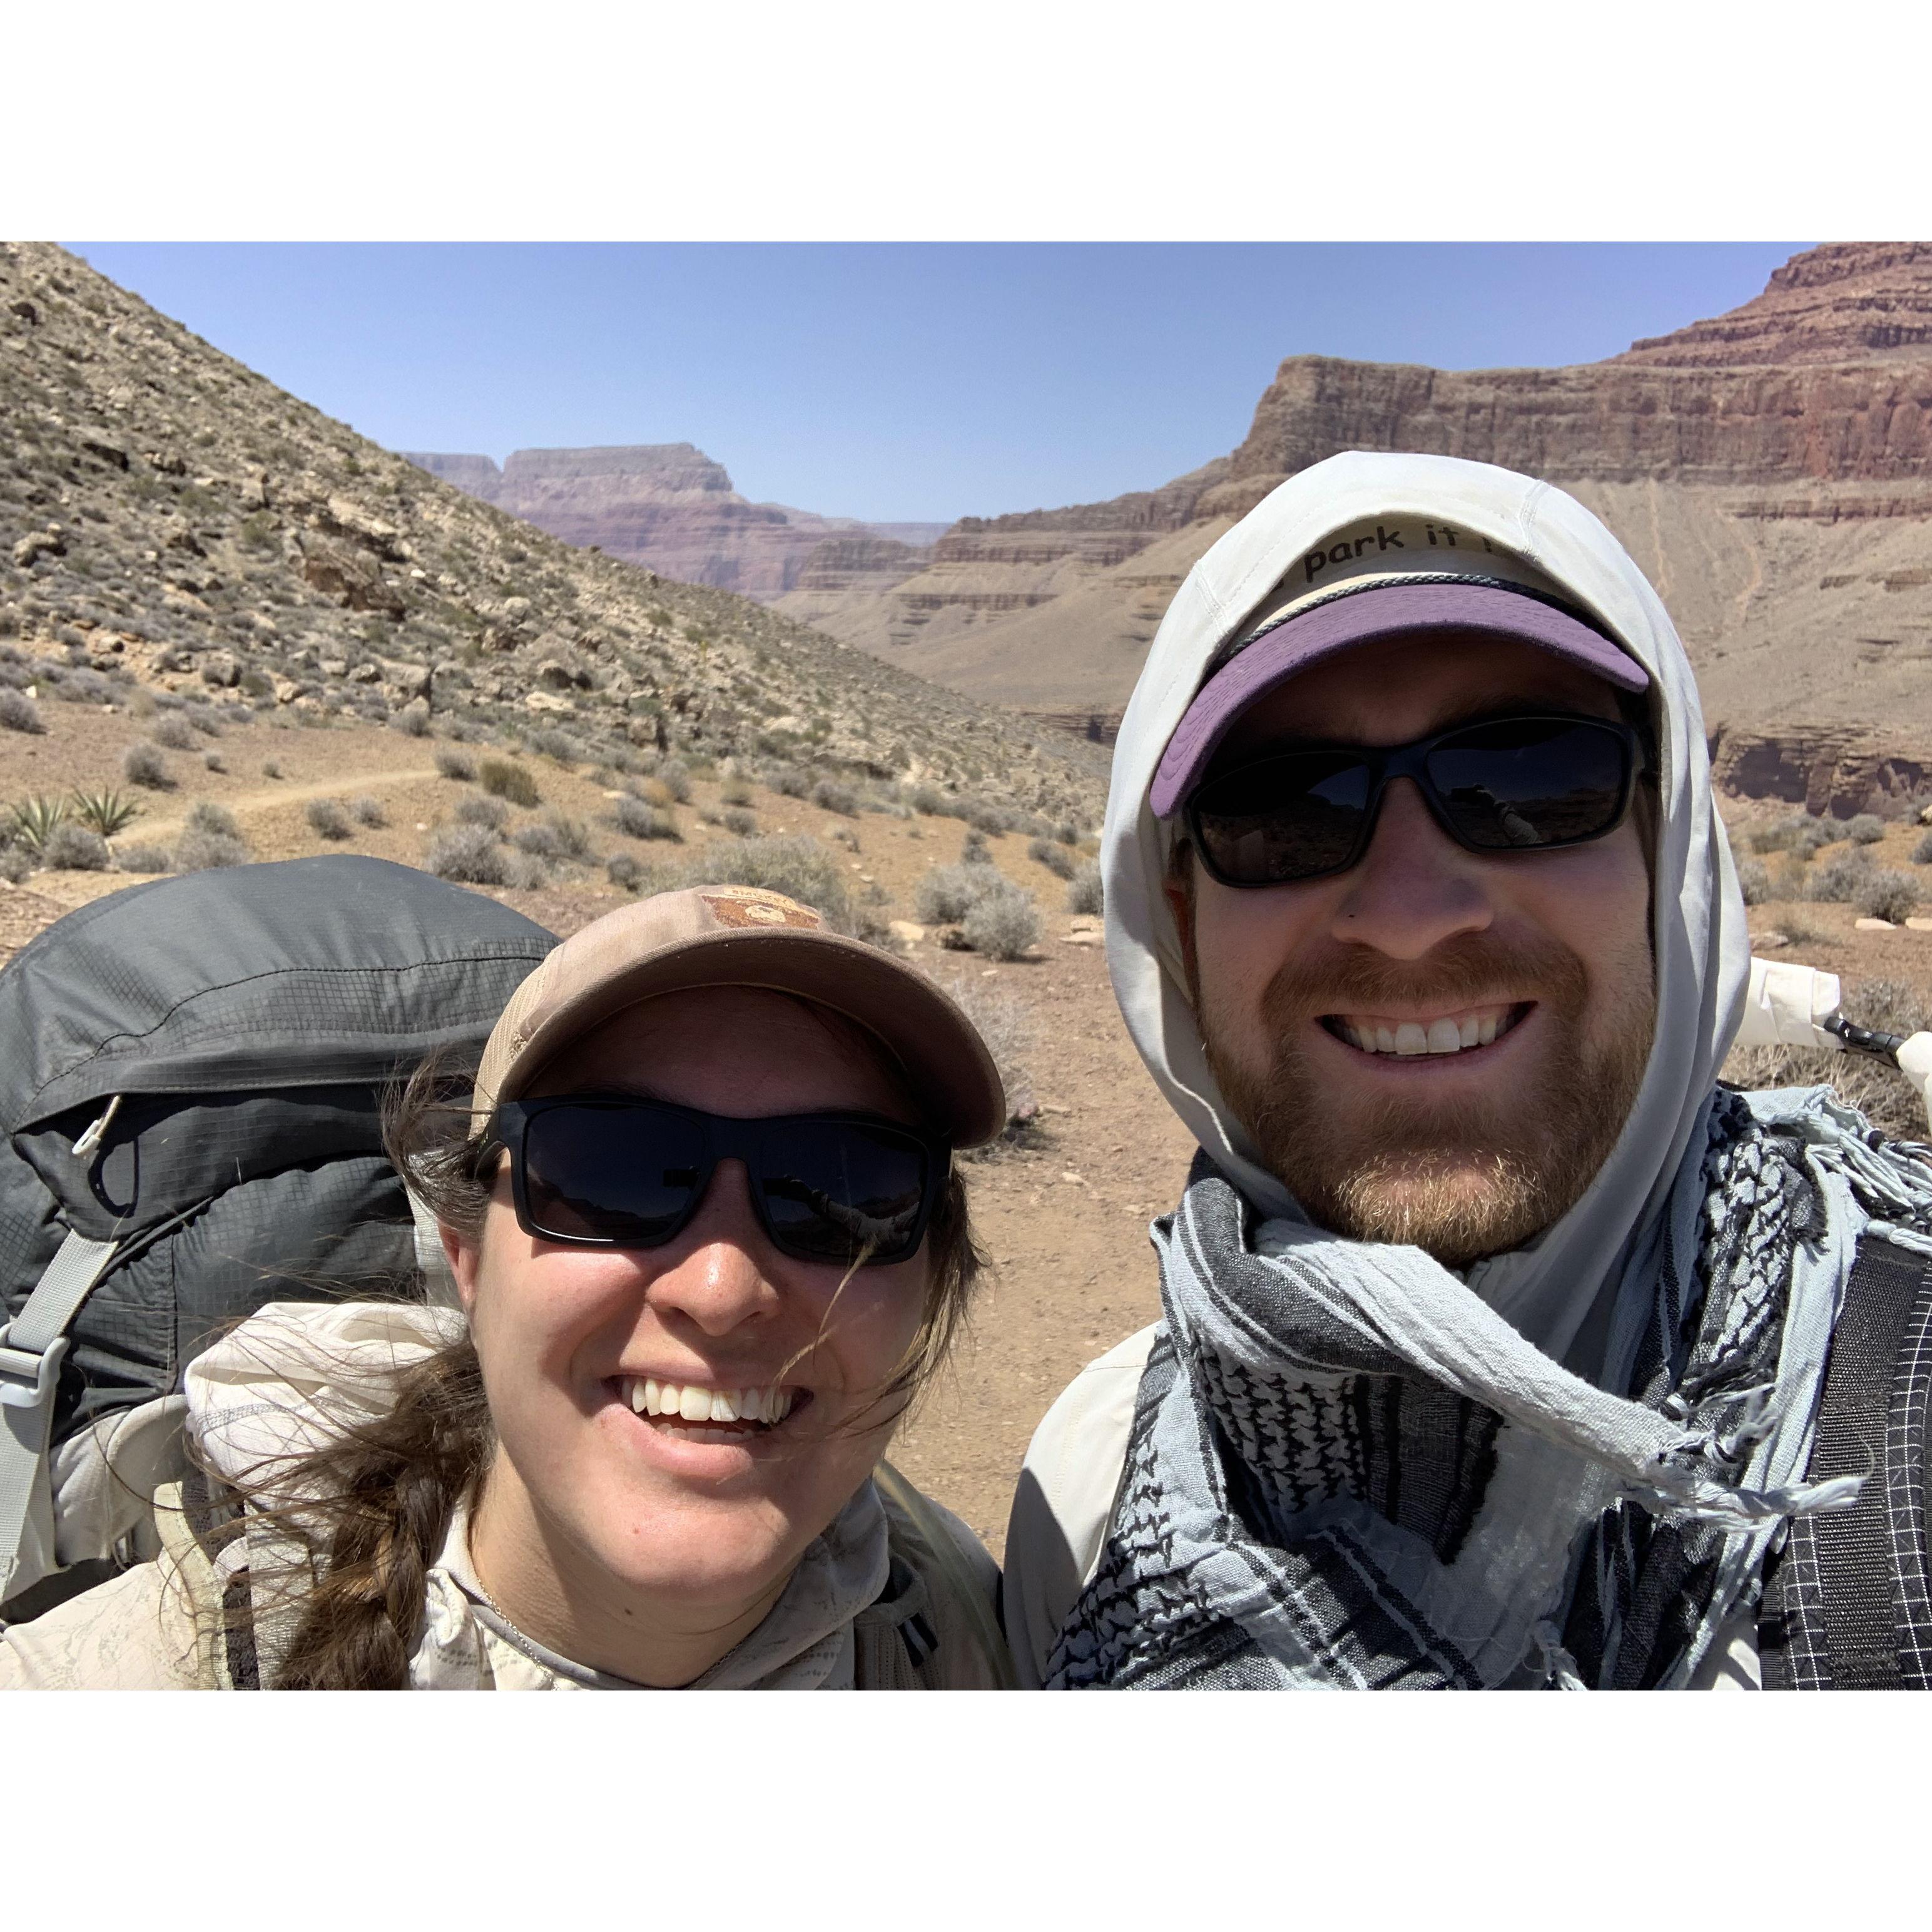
{"x": 908, "y": 932}
{"x": 37, "y": 544}
{"x": 1874, "y": 925}
{"x": 1918, "y": 924}
{"x": 549, "y": 701}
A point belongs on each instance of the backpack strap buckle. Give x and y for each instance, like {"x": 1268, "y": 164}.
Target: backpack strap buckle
{"x": 28, "y": 1375}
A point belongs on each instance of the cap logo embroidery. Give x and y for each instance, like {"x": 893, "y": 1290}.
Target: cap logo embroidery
{"x": 750, "y": 908}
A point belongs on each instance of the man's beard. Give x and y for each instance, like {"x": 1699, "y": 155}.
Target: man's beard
{"x": 1460, "y": 1179}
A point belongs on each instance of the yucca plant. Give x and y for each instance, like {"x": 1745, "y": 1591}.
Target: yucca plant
{"x": 35, "y": 820}
{"x": 106, "y": 812}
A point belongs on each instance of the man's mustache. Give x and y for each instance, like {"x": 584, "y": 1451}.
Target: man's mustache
{"x": 1471, "y": 970}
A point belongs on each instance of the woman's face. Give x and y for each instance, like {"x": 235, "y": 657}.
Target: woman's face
{"x": 702, "y": 1514}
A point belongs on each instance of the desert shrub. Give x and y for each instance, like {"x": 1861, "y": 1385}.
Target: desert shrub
{"x": 927, "y": 798}
{"x": 411, "y": 722}
{"x": 1084, "y": 893}
{"x": 1003, "y": 923}
{"x": 368, "y": 811}
{"x": 740, "y": 823}
{"x": 1004, "y": 1021}
{"x": 218, "y": 820}
{"x": 1057, "y": 860}
{"x": 478, "y": 810}
{"x": 205, "y": 719}
{"x": 947, "y": 893}
{"x": 456, "y": 764}
{"x": 796, "y": 864}
{"x": 1754, "y": 881}
{"x": 71, "y": 848}
{"x": 554, "y": 836}
{"x": 843, "y": 834}
{"x": 675, "y": 777}
{"x": 1866, "y": 828}
{"x": 1837, "y": 879}
{"x": 327, "y": 819}
{"x": 636, "y": 820}
{"x": 84, "y": 687}
{"x": 19, "y": 712}
{"x": 502, "y": 779}
{"x": 529, "y": 871}
{"x": 830, "y": 796}
{"x": 174, "y": 733}
{"x": 623, "y": 872}
{"x": 1883, "y": 1095}
{"x": 15, "y": 864}
{"x": 208, "y": 851}
{"x": 1800, "y": 833}
{"x": 142, "y": 764}
{"x": 973, "y": 850}
{"x": 994, "y": 819}
{"x": 734, "y": 791}
{"x": 560, "y": 747}
{"x": 1887, "y": 895}
{"x": 788, "y": 781}
{"x": 1922, "y": 853}
{"x": 1067, "y": 832}
{"x": 272, "y": 768}
{"x": 470, "y": 854}
{"x": 213, "y": 761}
{"x": 145, "y": 859}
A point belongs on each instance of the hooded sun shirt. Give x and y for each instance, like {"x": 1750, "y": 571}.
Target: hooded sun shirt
{"x": 1348, "y": 1466}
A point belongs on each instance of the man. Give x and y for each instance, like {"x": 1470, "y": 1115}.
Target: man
{"x": 1496, "y": 1332}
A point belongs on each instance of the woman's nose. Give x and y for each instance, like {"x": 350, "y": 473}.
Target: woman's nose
{"x": 716, "y": 1278}
{"x": 1415, "y": 887}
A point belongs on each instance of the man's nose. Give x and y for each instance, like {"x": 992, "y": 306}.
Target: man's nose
{"x": 1414, "y": 887}
{"x": 716, "y": 1279}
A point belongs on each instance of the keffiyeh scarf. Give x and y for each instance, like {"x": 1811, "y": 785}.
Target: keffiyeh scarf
{"x": 1345, "y": 1470}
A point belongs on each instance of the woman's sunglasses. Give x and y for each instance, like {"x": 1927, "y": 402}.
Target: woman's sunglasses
{"x": 613, "y": 1171}
{"x": 1510, "y": 784}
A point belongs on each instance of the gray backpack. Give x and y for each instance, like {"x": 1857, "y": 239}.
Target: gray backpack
{"x": 190, "y": 1089}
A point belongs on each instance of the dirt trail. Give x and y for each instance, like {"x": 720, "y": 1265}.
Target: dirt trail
{"x": 277, "y": 792}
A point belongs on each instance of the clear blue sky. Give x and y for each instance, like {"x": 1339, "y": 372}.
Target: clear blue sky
{"x": 917, "y": 382}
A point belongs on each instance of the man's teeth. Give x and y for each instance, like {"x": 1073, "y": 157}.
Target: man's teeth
{"x": 692, "y": 1402}
{"x": 1453, "y": 1033}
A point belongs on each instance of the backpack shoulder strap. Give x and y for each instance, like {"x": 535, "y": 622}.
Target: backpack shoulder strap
{"x": 961, "y": 1606}
{"x": 32, "y": 1346}
{"x": 1847, "y": 1605}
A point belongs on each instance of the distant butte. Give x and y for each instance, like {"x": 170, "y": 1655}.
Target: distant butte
{"x": 667, "y": 505}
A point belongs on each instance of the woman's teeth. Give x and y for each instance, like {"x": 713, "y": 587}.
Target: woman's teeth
{"x": 1453, "y": 1033}
{"x": 692, "y": 1402}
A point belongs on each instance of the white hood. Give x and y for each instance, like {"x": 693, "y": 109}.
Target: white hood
{"x": 1702, "y": 951}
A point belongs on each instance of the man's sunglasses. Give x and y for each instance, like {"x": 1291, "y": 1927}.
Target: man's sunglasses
{"x": 1510, "y": 784}
{"x": 610, "y": 1171}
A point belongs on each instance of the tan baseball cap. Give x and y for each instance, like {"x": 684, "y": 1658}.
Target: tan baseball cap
{"x": 742, "y": 936}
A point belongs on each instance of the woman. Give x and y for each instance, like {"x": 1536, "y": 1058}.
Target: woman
{"x": 707, "y": 1242}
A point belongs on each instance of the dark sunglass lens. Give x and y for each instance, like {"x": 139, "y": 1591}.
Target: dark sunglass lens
{"x": 835, "y": 1191}
{"x": 1519, "y": 783}
{"x": 619, "y": 1174}
{"x": 1291, "y": 818}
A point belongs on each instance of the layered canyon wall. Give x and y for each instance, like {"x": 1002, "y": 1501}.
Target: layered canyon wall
{"x": 1771, "y": 470}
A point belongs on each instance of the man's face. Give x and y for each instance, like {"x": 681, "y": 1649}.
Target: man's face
{"x": 1542, "y": 958}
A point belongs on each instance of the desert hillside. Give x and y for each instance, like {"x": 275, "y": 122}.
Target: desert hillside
{"x": 1770, "y": 470}
{"x": 174, "y": 520}
{"x": 667, "y": 506}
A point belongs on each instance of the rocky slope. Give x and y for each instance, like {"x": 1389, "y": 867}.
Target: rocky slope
{"x": 666, "y": 506}
{"x": 170, "y": 517}
{"x": 1771, "y": 470}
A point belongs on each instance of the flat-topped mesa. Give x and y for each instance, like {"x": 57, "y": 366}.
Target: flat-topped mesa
{"x": 650, "y": 470}
{"x": 667, "y": 505}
